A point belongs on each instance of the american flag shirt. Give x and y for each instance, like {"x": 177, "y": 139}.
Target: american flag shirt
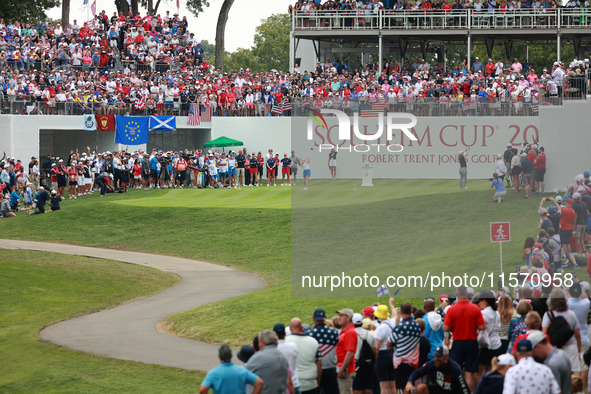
{"x": 328, "y": 338}
{"x": 405, "y": 338}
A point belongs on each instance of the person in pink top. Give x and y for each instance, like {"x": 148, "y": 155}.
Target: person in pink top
{"x": 532, "y": 76}
{"x": 516, "y": 67}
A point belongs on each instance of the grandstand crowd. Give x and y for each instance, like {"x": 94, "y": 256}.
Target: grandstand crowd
{"x": 531, "y": 338}
{"x": 146, "y": 64}
{"x": 370, "y": 8}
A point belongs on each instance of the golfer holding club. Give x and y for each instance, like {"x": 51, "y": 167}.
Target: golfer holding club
{"x": 462, "y": 156}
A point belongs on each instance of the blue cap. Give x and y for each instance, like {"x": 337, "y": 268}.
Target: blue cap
{"x": 552, "y": 209}
{"x": 586, "y": 173}
{"x": 524, "y": 346}
{"x": 319, "y": 315}
{"x": 245, "y": 353}
{"x": 279, "y": 328}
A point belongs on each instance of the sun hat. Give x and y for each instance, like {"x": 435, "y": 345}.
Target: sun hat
{"x": 382, "y": 312}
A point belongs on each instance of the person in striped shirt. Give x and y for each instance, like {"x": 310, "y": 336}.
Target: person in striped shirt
{"x": 328, "y": 338}
{"x": 405, "y": 340}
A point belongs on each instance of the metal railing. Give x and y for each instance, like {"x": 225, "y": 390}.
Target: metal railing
{"x": 39, "y": 65}
{"x": 540, "y": 18}
{"x": 302, "y": 106}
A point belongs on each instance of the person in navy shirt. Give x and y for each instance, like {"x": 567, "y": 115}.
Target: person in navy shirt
{"x": 443, "y": 375}
{"x": 285, "y": 170}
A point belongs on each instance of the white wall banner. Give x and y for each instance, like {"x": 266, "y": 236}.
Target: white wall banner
{"x": 432, "y": 154}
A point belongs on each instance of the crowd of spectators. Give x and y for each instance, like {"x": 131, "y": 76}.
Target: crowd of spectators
{"x": 154, "y": 65}
{"x": 531, "y": 338}
{"x": 455, "y": 343}
{"x": 364, "y": 13}
{"x": 83, "y": 173}
{"x": 458, "y": 343}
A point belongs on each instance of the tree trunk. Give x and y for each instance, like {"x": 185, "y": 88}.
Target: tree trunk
{"x": 155, "y": 10}
{"x": 220, "y": 31}
{"x": 134, "y": 7}
{"x": 122, "y": 6}
{"x": 65, "y": 13}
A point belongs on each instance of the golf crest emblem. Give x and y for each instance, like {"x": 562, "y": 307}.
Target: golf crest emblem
{"x": 89, "y": 122}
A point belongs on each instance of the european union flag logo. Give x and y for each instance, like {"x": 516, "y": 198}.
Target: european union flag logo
{"x": 132, "y": 130}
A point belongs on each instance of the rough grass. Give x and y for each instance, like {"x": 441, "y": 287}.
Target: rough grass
{"x": 38, "y": 289}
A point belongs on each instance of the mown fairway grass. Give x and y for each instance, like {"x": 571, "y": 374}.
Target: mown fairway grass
{"x": 37, "y": 289}
{"x": 434, "y": 227}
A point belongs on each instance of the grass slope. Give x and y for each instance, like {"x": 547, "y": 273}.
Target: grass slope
{"x": 433, "y": 225}
{"x": 37, "y": 289}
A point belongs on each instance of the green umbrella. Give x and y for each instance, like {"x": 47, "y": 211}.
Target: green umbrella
{"x": 222, "y": 142}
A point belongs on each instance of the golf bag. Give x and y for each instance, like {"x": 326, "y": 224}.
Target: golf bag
{"x": 200, "y": 179}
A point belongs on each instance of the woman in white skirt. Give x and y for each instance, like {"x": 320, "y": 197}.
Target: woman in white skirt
{"x": 332, "y": 163}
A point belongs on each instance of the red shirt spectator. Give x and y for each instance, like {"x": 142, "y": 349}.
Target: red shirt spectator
{"x": 463, "y": 319}
{"x": 531, "y": 155}
{"x": 540, "y": 161}
{"x": 567, "y": 216}
{"x": 347, "y": 342}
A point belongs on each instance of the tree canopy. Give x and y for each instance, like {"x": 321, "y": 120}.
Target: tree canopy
{"x": 26, "y": 10}
{"x": 270, "y": 49}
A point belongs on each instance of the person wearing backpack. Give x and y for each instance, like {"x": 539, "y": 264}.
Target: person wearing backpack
{"x": 554, "y": 243}
{"x": 562, "y": 327}
{"x": 579, "y": 304}
{"x": 489, "y": 338}
{"x": 384, "y": 365}
{"x": 433, "y": 326}
{"x": 553, "y": 358}
{"x": 365, "y": 357}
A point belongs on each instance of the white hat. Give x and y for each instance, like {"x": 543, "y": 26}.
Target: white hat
{"x": 577, "y": 195}
{"x": 558, "y": 199}
{"x": 357, "y": 318}
{"x": 506, "y": 359}
{"x": 535, "y": 337}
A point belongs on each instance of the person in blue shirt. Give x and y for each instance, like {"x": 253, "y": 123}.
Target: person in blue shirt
{"x": 153, "y": 171}
{"x": 477, "y": 66}
{"x": 228, "y": 378}
{"x": 499, "y": 186}
{"x": 482, "y": 95}
{"x": 15, "y": 197}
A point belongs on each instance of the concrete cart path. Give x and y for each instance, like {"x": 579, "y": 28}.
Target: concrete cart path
{"x": 128, "y": 331}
